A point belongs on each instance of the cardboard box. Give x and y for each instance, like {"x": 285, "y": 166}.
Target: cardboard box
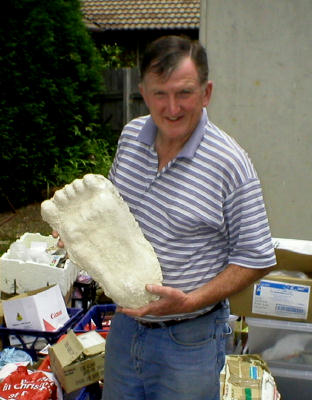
{"x": 43, "y": 311}
{"x": 284, "y": 295}
{"x": 34, "y": 342}
{"x": 247, "y": 377}
{"x": 18, "y": 276}
{"x": 1, "y": 309}
{"x": 6, "y": 296}
{"x": 78, "y": 361}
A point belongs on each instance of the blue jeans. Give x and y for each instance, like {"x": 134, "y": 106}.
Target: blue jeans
{"x": 180, "y": 362}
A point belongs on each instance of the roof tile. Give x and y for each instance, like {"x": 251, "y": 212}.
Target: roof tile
{"x": 141, "y": 14}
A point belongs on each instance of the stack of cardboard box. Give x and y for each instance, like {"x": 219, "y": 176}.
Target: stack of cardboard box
{"x": 279, "y": 318}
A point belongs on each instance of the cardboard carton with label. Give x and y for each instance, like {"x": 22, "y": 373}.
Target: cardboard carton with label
{"x": 42, "y": 311}
{"x": 284, "y": 294}
{"x": 78, "y": 360}
{"x": 246, "y": 377}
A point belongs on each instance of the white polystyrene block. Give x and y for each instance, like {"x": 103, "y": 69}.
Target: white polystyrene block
{"x": 18, "y": 276}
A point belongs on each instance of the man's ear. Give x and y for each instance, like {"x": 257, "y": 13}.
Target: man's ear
{"x": 207, "y": 93}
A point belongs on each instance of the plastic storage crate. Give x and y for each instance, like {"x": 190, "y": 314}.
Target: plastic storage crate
{"x": 292, "y": 383}
{"x": 33, "y": 341}
{"x": 98, "y": 317}
{"x": 282, "y": 344}
{"x": 92, "y": 392}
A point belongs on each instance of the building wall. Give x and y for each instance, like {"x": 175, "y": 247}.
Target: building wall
{"x": 260, "y": 57}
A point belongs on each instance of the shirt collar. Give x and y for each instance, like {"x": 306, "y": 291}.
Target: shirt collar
{"x": 149, "y": 131}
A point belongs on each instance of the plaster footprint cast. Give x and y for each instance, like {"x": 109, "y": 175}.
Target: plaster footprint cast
{"x": 102, "y": 237}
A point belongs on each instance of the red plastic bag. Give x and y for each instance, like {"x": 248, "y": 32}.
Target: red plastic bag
{"x": 27, "y": 385}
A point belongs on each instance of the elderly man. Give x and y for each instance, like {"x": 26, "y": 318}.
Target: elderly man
{"x": 198, "y": 200}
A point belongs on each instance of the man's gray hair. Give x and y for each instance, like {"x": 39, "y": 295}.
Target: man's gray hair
{"x": 164, "y": 54}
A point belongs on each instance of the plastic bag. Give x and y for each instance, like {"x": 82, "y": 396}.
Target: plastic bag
{"x": 13, "y": 355}
{"x": 27, "y": 385}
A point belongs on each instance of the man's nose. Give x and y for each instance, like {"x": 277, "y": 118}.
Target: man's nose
{"x": 173, "y": 105}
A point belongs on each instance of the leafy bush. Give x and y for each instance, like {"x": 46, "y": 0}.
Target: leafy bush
{"x": 98, "y": 161}
{"x": 116, "y": 57}
{"x": 50, "y": 78}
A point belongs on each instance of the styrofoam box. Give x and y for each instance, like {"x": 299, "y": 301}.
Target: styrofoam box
{"x": 282, "y": 344}
{"x": 293, "y": 384}
{"x": 17, "y": 276}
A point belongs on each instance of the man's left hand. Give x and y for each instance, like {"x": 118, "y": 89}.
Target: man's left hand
{"x": 172, "y": 301}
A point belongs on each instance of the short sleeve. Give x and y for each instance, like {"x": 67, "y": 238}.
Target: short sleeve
{"x": 249, "y": 236}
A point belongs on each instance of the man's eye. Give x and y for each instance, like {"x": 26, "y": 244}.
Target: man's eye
{"x": 185, "y": 93}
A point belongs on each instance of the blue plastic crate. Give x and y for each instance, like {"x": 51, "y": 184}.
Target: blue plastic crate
{"x": 99, "y": 315}
{"x": 91, "y": 392}
{"x": 83, "y": 394}
{"x": 46, "y": 337}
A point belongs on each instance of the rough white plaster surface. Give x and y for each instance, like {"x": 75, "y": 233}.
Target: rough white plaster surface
{"x": 102, "y": 237}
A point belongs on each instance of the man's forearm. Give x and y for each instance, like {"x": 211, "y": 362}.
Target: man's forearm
{"x": 174, "y": 301}
{"x": 230, "y": 281}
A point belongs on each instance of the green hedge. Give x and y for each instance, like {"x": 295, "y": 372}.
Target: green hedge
{"x": 50, "y": 78}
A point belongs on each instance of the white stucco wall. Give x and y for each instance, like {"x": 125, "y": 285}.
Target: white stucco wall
{"x": 260, "y": 55}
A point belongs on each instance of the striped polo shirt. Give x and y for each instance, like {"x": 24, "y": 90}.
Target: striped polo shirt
{"x": 202, "y": 211}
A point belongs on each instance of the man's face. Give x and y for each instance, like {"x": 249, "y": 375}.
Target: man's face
{"x": 176, "y": 103}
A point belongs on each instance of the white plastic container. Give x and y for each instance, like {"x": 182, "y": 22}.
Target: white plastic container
{"x": 292, "y": 383}
{"x": 282, "y": 344}
{"x": 18, "y": 276}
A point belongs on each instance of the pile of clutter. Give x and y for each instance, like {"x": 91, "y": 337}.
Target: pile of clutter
{"x": 277, "y": 316}
{"x": 75, "y": 362}
{"x": 55, "y": 350}
{"x": 40, "y": 354}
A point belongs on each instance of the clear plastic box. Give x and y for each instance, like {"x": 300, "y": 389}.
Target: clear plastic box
{"x": 282, "y": 344}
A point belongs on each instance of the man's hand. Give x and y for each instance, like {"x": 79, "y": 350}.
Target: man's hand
{"x": 232, "y": 280}
{"x": 172, "y": 301}
{"x": 55, "y": 234}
